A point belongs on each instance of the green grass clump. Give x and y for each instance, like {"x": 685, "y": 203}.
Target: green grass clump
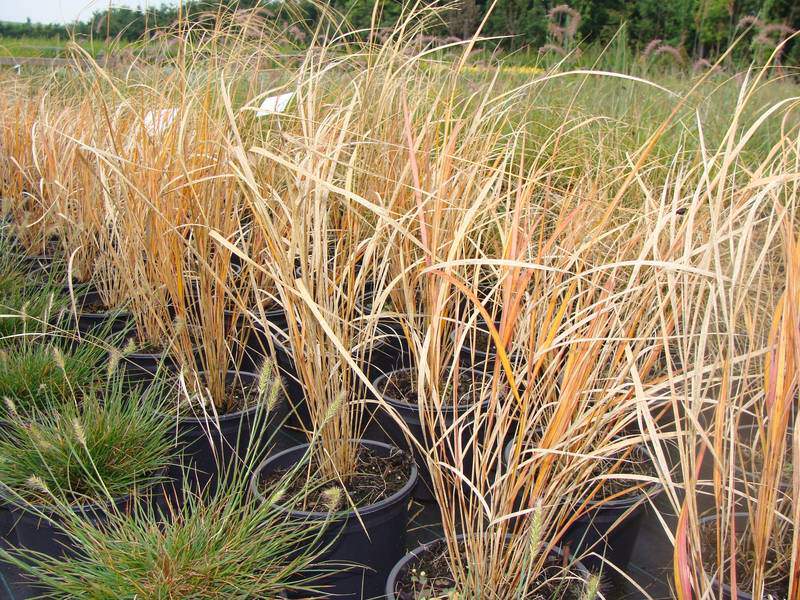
{"x": 25, "y": 310}
{"x": 27, "y": 301}
{"x": 86, "y": 452}
{"x": 221, "y": 549}
{"x": 219, "y": 545}
{"x": 34, "y": 375}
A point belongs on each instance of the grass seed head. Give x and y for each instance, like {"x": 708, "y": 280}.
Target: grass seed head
{"x": 332, "y": 498}
{"x": 80, "y": 433}
{"x": 58, "y": 357}
{"x": 12, "y": 408}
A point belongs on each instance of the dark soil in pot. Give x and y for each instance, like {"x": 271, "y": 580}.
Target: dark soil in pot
{"x": 399, "y": 390}
{"x": 366, "y": 546}
{"x": 210, "y": 443}
{"x": 377, "y": 477}
{"x": 425, "y": 573}
{"x": 777, "y": 587}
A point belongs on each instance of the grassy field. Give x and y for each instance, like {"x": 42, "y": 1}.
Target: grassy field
{"x": 48, "y": 47}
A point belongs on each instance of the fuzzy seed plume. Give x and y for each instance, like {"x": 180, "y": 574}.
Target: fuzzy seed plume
{"x": 130, "y": 347}
{"x": 269, "y": 386}
{"x": 80, "y": 433}
{"x": 264, "y": 379}
{"x": 277, "y": 496}
{"x": 274, "y": 393}
{"x": 37, "y": 483}
{"x": 12, "y": 408}
{"x": 58, "y": 358}
{"x": 114, "y": 358}
{"x": 333, "y": 409}
{"x": 39, "y": 440}
{"x": 179, "y": 326}
{"x": 536, "y": 527}
{"x": 332, "y": 498}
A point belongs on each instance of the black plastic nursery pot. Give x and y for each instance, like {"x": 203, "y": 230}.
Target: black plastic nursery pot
{"x": 364, "y": 547}
{"x": 608, "y": 529}
{"x": 740, "y": 522}
{"x": 35, "y": 264}
{"x": 387, "y": 353}
{"x": 411, "y": 559}
{"x": 141, "y": 367}
{"x": 476, "y": 353}
{"x": 7, "y": 534}
{"x": 269, "y": 341}
{"x": 208, "y": 444}
{"x": 39, "y": 528}
{"x": 109, "y": 322}
{"x": 411, "y": 418}
{"x": 258, "y": 336}
{"x": 706, "y": 501}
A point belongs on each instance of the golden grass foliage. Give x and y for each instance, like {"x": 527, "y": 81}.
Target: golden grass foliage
{"x": 638, "y": 280}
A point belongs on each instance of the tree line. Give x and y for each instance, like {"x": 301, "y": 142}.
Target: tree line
{"x": 695, "y": 28}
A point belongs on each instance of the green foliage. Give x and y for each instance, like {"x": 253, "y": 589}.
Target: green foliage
{"x": 26, "y": 309}
{"x": 27, "y": 302}
{"x": 46, "y": 47}
{"x": 713, "y": 23}
{"x": 672, "y": 22}
{"x": 525, "y": 21}
{"x": 88, "y": 451}
{"x": 219, "y": 545}
{"x": 359, "y": 12}
{"x": 701, "y": 27}
{"x": 34, "y": 374}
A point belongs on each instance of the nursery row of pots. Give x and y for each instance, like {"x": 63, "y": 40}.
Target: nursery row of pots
{"x": 368, "y": 545}
{"x": 373, "y": 539}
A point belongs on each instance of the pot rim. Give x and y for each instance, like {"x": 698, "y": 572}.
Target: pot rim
{"x": 227, "y": 416}
{"x": 399, "y": 496}
{"x": 146, "y": 355}
{"x": 116, "y": 312}
{"x": 110, "y": 313}
{"x": 630, "y": 499}
{"x": 391, "y": 580}
{"x": 79, "y": 508}
{"x": 447, "y": 409}
{"x": 275, "y": 311}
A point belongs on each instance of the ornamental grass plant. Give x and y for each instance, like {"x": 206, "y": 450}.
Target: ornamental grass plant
{"x": 96, "y": 449}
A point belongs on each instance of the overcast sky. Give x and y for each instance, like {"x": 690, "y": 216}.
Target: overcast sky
{"x": 63, "y": 11}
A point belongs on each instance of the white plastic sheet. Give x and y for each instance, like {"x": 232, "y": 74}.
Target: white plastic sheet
{"x": 157, "y": 121}
{"x": 274, "y": 104}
